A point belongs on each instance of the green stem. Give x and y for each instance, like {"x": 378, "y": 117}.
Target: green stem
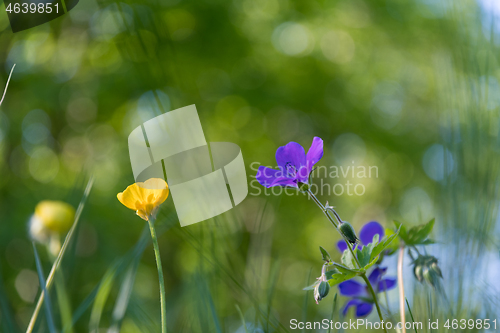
{"x": 367, "y": 281}
{"x": 325, "y": 211}
{"x": 415, "y": 248}
{"x": 160, "y": 276}
{"x": 363, "y": 275}
{"x": 401, "y": 286}
{"x": 62, "y": 297}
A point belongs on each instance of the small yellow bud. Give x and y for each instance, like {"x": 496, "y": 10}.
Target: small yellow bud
{"x": 57, "y": 216}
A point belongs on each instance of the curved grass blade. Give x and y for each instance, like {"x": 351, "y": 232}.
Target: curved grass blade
{"x": 206, "y": 299}
{"x": 242, "y": 318}
{"x": 411, "y": 315}
{"x": 124, "y": 296}
{"x": 58, "y": 260}
{"x": 101, "y": 298}
{"x": 48, "y": 304}
{"x": 7, "y": 84}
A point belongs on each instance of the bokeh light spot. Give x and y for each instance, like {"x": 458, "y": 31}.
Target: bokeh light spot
{"x": 44, "y": 164}
{"x": 26, "y": 284}
{"x": 437, "y": 162}
{"x": 292, "y": 39}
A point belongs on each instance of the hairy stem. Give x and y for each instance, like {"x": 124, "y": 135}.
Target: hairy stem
{"x": 375, "y": 300}
{"x": 401, "y": 286}
{"x": 325, "y": 211}
{"x": 160, "y": 276}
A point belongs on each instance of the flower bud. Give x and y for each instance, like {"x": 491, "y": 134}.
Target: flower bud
{"x": 435, "y": 268}
{"x": 321, "y": 291}
{"x": 426, "y": 269}
{"x": 348, "y": 231}
{"x": 430, "y": 277}
{"x": 418, "y": 272}
{"x": 57, "y": 216}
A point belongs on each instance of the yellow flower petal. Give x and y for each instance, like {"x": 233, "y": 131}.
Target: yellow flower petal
{"x": 131, "y": 197}
{"x": 145, "y": 197}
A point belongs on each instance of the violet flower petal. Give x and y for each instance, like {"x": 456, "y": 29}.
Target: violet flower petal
{"x": 352, "y": 288}
{"x": 314, "y": 154}
{"x": 290, "y": 159}
{"x": 376, "y": 275}
{"x": 387, "y": 284}
{"x": 362, "y": 308}
{"x": 266, "y": 176}
{"x": 284, "y": 181}
{"x": 369, "y": 230}
{"x": 342, "y": 245}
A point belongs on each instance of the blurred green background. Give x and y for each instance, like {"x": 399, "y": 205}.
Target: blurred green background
{"x": 410, "y": 87}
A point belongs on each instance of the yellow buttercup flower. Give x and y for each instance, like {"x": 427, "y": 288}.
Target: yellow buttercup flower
{"x": 51, "y": 220}
{"x": 57, "y": 216}
{"x": 145, "y": 198}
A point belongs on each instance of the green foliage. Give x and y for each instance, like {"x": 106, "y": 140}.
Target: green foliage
{"x": 394, "y": 245}
{"x": 348, "y": 260}
{"x": 384, "y": 243}
{"x": 417, "y": 235}
{"x": 367, "y": 257}
{"x": 365, "y": 254}
{"x": 325, "y": 254}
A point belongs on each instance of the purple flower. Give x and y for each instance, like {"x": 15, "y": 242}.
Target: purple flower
{"x": 294, "y": 165}
{"x": 365, "y": 235}
{"x": 359, "y": 294}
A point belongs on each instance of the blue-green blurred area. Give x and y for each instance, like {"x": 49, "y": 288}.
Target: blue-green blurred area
{"x": 408, "y": 88}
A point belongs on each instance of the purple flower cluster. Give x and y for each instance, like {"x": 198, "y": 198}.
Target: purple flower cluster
{"x": 294, "y": 168}
{"x": 359, "y": 294}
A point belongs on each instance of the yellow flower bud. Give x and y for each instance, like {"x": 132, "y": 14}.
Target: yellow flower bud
{"x": 56, "y": 216}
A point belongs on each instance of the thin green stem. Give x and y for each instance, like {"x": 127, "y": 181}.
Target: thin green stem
{"x": 401, "y": 286}
{"x": 367, "y": 281}
{"x": 160, "y": 275}
{"x": 415, "y": 248}
{"x": 62, "y": 296}
{"x": 325, "y": 211}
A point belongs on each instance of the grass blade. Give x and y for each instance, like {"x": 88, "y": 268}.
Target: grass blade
{"x": 334, "y": 309}
{"x": 411, "y": 315}
{"x": 48, "y": 304}
{"x": 58, "y": 260}
{"x": 306, "y": 298}
{"x": 242, "y": 318}
{"x": 124, "y": 296}
{"x": 101, "y": 298}
{"x": 7, "y": 84}
{"x": 207, "y": 295}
